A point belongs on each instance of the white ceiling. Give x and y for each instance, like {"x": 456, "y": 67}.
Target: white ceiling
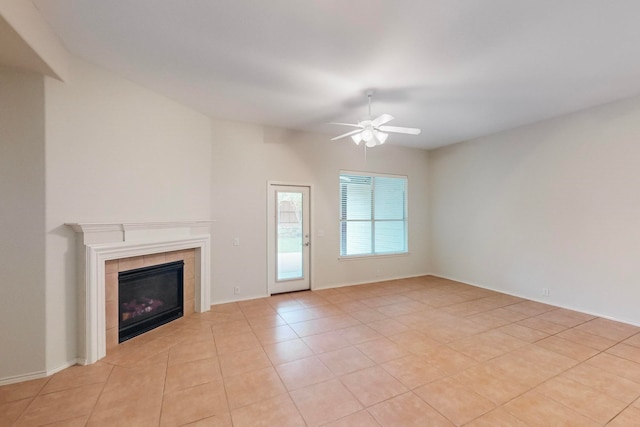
{"x": 458, "y": 69}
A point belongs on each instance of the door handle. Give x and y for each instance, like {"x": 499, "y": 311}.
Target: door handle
{"x": 307, "y": 243}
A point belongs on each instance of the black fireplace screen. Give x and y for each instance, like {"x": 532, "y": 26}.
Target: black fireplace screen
{"x": 149, "y": 297}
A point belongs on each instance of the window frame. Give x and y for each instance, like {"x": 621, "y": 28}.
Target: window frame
{"x": 343, "y": 221}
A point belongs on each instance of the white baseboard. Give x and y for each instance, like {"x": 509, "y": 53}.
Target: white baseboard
{"x": 22, "y": 377}
{"x": 38, "y": 374}
{"x": 386, "y": 279}
{"x": 318, "y": 288}
{"x": 81, "y": 361}
{"x": 547, "y": 302}
{"x": 62, "y": 367}
{"x": 239, "y": 299}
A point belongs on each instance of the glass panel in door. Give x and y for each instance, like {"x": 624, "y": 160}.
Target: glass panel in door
{"x": 290, "y": 236}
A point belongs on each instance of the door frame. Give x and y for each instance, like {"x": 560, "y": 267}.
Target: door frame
{"x": 271, "y": 250}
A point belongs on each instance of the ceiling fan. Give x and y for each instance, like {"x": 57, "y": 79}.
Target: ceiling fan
{"x": 372, "y": 131}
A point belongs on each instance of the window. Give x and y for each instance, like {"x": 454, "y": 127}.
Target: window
{"x": 373, "y": 214}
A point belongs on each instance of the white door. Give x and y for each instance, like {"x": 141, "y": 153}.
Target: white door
{"x": 288, "y": 238}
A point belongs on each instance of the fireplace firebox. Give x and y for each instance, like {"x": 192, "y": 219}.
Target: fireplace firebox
{"x": 149, "y": 297}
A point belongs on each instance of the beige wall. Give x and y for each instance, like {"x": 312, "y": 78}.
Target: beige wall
{"x": 115, "y": 152}
{"x": 553, "y": 205}
{"x": 246, "y": 156}
{"x": 22, "y": 219}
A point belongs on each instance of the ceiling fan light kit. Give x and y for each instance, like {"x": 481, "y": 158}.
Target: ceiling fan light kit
{"x": 372, "y": 131}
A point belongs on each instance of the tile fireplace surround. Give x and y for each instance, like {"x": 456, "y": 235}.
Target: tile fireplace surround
{"x": 99, "y": 244}
{"x": 112, "y": 286}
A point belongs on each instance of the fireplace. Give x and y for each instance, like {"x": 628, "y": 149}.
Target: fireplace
{"x": 149, "y": 297}
{"x": 105, "y": 249}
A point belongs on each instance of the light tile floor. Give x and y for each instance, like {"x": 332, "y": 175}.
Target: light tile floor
{"x": 414, "y": 352}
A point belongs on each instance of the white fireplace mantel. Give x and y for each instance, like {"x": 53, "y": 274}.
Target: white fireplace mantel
{"x": 101, "y": 242}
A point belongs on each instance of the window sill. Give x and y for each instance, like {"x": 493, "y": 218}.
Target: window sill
{"x": 364, "y": 257}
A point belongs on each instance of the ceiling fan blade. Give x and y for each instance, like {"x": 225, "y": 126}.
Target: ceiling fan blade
{"x": 353, "y": 125}
{"x": 382, "y": 119}
{"x": 396, "y": 129}
{"x": 344, "y": 135}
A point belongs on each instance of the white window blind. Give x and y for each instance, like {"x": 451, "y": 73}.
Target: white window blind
{"x": 373, "y": 214}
